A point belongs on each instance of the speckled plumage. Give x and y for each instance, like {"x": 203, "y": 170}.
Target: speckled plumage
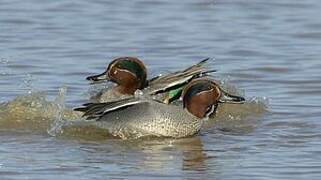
{"x": 150, "y": 119}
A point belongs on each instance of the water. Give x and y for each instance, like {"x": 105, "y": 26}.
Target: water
{"x": 268, "y": 49}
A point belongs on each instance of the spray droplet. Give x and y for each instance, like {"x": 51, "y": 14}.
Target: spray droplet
{"x": 56, "y": 127}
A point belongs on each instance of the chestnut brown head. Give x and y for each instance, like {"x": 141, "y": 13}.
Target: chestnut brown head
{"x": 202, "y": 96}
{"x": 127, "y": 72}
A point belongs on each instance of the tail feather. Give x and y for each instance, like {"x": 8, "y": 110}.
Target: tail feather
{"x": 199, "y": 64}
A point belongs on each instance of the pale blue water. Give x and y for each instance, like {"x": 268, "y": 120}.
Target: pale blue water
{"x": 266, "y": 48}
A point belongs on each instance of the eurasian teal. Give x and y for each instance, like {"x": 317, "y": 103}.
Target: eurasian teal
{"x": 130, "y": 74}
{"x": 138, "y": 116}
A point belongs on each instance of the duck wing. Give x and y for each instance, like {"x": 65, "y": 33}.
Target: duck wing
{"x": 164, "y": 83}
{"x": 94, "y": 111}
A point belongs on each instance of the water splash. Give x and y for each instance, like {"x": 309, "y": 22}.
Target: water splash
{"x": 56, "y": 126}
{"x": 33, "y": 112}
{"x": 95, "y": 88}
{"x": 26, "y": 112}
{"x": 230, "y": 87}
{"x": 28, "y": 83}
{"x": 239, "y": 118}
{"x": 4, "y": 67}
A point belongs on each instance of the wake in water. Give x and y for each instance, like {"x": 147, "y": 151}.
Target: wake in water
{"x": 33, "y": 112}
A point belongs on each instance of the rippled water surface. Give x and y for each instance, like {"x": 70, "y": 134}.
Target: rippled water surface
{"x": 269, "y": 50}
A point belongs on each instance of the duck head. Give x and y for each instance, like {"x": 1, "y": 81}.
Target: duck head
{"x": 202, "y": 96}
{"x": 129, "y": 73}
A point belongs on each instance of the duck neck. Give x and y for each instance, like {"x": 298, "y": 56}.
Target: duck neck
{"x": 128, "y": 90}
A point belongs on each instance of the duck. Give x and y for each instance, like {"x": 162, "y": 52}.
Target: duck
{"x": 139, "y": 116}
{"x": 129, "y": 74}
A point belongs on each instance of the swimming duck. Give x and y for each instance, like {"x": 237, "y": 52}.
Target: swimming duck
{"x": 130, "y": 74}
{"x": 138, "y": 116}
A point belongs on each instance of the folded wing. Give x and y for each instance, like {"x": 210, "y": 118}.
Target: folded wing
{"x": 94, "y": 111}
{"x": 160, "y": 84}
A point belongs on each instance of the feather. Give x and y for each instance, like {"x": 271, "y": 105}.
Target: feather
{"x": 177, "y": 79}
{"x": 97, "y": 110}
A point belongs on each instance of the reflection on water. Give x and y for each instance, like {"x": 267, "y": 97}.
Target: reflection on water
{"x": 157, "y": 154}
